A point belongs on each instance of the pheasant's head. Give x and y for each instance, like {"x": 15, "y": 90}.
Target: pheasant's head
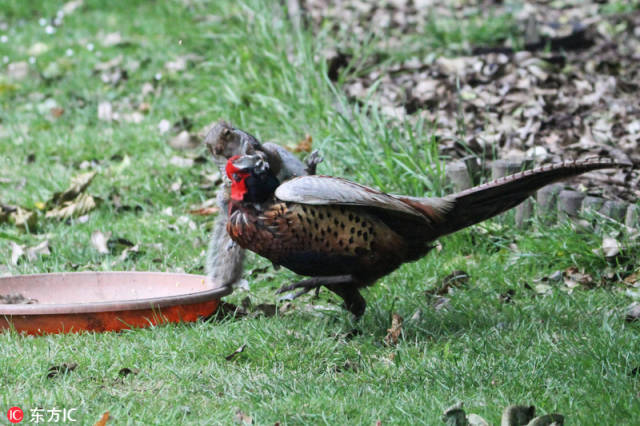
{"x": 251, "y": 178}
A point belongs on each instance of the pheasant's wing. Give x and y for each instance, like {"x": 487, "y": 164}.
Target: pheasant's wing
{"x": 327, "y": 190}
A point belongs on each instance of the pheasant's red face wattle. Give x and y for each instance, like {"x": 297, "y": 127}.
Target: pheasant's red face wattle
{"x": 238, "y": 178}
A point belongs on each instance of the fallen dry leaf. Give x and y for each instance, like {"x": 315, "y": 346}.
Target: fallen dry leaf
{"x": 179, "y": 64}
{"x": 41, "y": 249}
{"x": 243, "y": 418}
{"x": 210, "y": 180}
{"x": 103, "y": 420}
{"x": 105, "y": 111}
{"x": 17, "y": 70}
{"x": 186, "y": 221}
{"x": 144, "y": 107}
{"x": 117, "y": 244}
{"x": 573, "y": 278}
{"x": 633, "y": 312}
{"x": 78, "y": 185}
{"x": 208, "y": 207}
{"x": 164, "y": 126}
{"x": 23, "y": 218}
{"x": 112, "y": 39}
{"x": 130, "y": 252}
{"x": 61, "y": 369}
{"x": 99, "y": 241}
{"x": 543, "y": 288}
{"x": 17, "y": 251}
{"x": 441, "y": 302}
{"x": 124, "y": 372}
{"x": 555, "y": 276}
{"x": 181, "y": 161}
{"x": 633, "y": 280}
{"x": 394, "y": 332}
{"x": 205, "y": 211}
{"x": 108, "y": 65}
{"x": 507, "y": 296}
{"x": 305, "y": 145}
{"x": 69, "y": 7}
{"x": 453, "y": 280}
{"x": 82, "y": 205}
{"x": 347, "y": 366}
{"x": 236, "y": 352}
{"x": 135, "y": 117}
{"x": 263, "y": 309}
{"x": 56, "y": 112}
{"x": 184, "y": 140}
{"x": 226, "y": 309}
{"x": 610, "y": 247}
{"x": 417, "y": 315}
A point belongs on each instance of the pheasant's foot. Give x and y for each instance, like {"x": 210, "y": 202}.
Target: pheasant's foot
{"x": 306, "y": 285}
{"x": 353, "y": 300}
{"x": 342, "y": 285}
{"x": 311, "y": 283}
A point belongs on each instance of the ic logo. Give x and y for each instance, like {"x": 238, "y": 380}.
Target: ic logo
{"x": 15, "y": 415}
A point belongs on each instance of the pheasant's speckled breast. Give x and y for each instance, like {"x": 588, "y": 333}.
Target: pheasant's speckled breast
{"x": 318, "y": 239}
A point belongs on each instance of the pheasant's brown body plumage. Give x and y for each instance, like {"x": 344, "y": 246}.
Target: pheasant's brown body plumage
{"x": 323, "y": 240}
{"x": 346, "y": 236}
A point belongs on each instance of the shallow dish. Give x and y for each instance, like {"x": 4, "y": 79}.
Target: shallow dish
{"x": 104, "y": 301}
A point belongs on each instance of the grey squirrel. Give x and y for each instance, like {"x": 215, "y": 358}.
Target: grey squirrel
{"x": 225, "y": 259}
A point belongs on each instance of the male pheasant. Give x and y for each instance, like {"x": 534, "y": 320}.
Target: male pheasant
{"x": 346, "y": 235}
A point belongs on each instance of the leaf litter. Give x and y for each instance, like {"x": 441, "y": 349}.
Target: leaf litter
{"x": 569, "y": 93}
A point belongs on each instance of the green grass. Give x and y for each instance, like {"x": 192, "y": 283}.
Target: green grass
{"x": 570, "y": 353}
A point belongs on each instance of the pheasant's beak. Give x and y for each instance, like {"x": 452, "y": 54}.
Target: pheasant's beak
{"x": 248, "y": 163}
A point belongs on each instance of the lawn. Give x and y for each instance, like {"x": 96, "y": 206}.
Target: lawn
{"x": 99, "y": 82}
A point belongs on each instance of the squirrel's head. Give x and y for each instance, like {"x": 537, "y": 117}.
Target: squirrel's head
{"x": 224, "y": 141}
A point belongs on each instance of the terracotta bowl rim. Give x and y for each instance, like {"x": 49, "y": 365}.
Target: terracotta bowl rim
{"x": 116, "y": 305}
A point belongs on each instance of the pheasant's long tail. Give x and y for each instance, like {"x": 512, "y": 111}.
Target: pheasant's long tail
{"x": 490, "y": 199}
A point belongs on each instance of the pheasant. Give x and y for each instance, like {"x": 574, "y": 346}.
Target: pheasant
{"x": 346, "y": 236}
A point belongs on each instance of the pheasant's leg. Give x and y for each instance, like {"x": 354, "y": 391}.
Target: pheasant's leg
{"x": 316, "y": 282}
{"x": 342, "y": 285}
{"x": 353, "y": 300}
